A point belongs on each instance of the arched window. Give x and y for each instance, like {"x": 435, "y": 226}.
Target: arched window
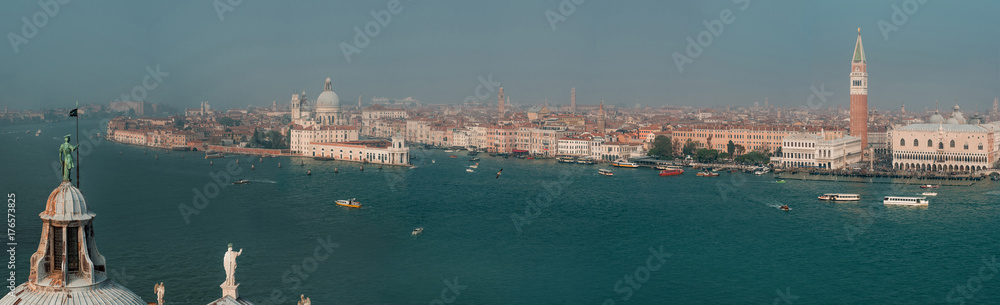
{"x": 902, "y": 142}
{"x": 952, "y": 143}
{"x": 980, "y": 146}
{"x": 965, "y": 146}
{"x": 930, "y": 143}
{"x": 940, "y": 145}
{"x": 915, "y": 143}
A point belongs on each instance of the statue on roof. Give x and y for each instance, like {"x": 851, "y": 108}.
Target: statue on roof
{"x": 230, "y": 265}
{"x": 66, "y": 157}
{"x": 158, "y": 289}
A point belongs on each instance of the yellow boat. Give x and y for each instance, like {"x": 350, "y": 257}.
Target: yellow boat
{"x": 351, "y": 203}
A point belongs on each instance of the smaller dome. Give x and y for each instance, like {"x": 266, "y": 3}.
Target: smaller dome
{"x": 66, "y": 203}
{"x": 956, "y": 108}
{"x": 951, "y": 121}
{"x": 936, "y": 118}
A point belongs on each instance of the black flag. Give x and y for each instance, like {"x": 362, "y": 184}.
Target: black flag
{"x": 73, "y": 112}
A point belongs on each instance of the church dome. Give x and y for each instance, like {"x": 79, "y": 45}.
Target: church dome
{"x": 951, "y": 121}
{"x": 66, "y": 203}
{"x": 936, "y": 118}
{"x": 327, "y": 99}
{"x": 106, "y": 292}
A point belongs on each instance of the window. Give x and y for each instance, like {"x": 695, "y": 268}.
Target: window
{"x": 940, "y": 145}
{"x": 965, "y": 146}
{"x": 952, "y": 143}
{"x": 902, "y": 142}
{"x": 980, "y": 146}
{"x": 930, "y": 143}
{"x": 915, "y": 143}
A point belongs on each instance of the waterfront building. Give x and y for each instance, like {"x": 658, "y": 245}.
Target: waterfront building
{"x": 392, "y": 152}
{"x": 803, "y": 149}
{"x": 302, "y": 137}
{"x": 753, "y": 138}
{"x": 611, "y": 151}
{"x": 859, "y": 93}
{"x": 946, "y": 147}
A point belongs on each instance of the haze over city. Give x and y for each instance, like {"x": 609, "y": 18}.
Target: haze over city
{"x": 253, "y": 53}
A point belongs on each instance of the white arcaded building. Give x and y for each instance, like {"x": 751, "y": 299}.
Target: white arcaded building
{"x": 951, "y": 145}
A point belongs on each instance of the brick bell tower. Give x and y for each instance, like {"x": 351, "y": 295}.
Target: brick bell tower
{"x": 859, "y": 94}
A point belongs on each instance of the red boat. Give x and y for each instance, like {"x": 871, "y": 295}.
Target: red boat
{"x": 671, "y": 172}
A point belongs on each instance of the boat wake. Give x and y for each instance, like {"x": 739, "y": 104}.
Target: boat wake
{"x": 263, "y": 181}
{"x": 994, "y": 193}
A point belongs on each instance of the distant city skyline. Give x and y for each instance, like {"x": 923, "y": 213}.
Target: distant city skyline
{"x": 254, "y": 53}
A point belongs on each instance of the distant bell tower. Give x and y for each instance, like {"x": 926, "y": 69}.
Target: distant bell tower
{"x": 500, "y": 102}
{"x": 859, "y": 94}
{"x": 903, "y": 108}
{"x": 602, "y": 119}
{"x": 572, "y": 100}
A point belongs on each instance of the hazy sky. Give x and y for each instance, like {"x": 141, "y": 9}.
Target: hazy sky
{"x": 621, "y": 51}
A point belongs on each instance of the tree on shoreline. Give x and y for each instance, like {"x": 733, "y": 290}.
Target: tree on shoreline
{"x": 663, "y": 146}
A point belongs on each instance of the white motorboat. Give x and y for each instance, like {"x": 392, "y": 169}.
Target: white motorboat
{"x": 469, "y": 170}
{"x": 928, "y": 194}
{"x": 417, "y": 231}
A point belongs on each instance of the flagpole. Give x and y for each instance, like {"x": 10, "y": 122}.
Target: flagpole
{"x": 78, "y": 146}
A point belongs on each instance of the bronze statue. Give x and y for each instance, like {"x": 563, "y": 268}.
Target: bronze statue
{"x": 66, "y": 157}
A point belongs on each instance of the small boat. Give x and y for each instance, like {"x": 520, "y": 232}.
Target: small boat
{"x": 780, "y": 181}
{"x": 671, "y": 171}
{"x": 413, "y": 166}
{"x": 432, "y": 161}
{"x": 469, "y": 170}
{"x": 707, "y": 174}
{"x": 279, "y": 164}
{"x": 586, "y": 161}
{"x": 417, "y": 231}
{"x": 251, "y": 167}
{"x": 840, "y": 197}
{"x": 605, "y": 172}
{"x": 242, "y": 181}
{"x": 928, "y": 194}
{"x": 911, "y": 201}
{"x": 362, "y": 168}
{"x": 448, "y": 150}
{"x": 336, "y": 170}
{"x": 474, "y": 166}
{"x": 995, "y": 177}
{"x": 566, "y": 160}
{"x": 473, "y": 152}
{"x": 929, "y": 186}
{"x": 39, "y": 132}
{"x": 309, "y": 172}
{"x": 785, "y": 208}
{"x": 351, "y": 203}
{"x": 474, "y": 159}
{"x": 453, "y": 156}
{"x": 213, "y": 155}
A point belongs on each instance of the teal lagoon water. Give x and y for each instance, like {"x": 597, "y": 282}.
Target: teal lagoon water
{"x": 727, "y": 241}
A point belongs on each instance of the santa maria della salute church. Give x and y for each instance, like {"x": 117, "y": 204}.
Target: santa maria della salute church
{"x": 322, "y": 131}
